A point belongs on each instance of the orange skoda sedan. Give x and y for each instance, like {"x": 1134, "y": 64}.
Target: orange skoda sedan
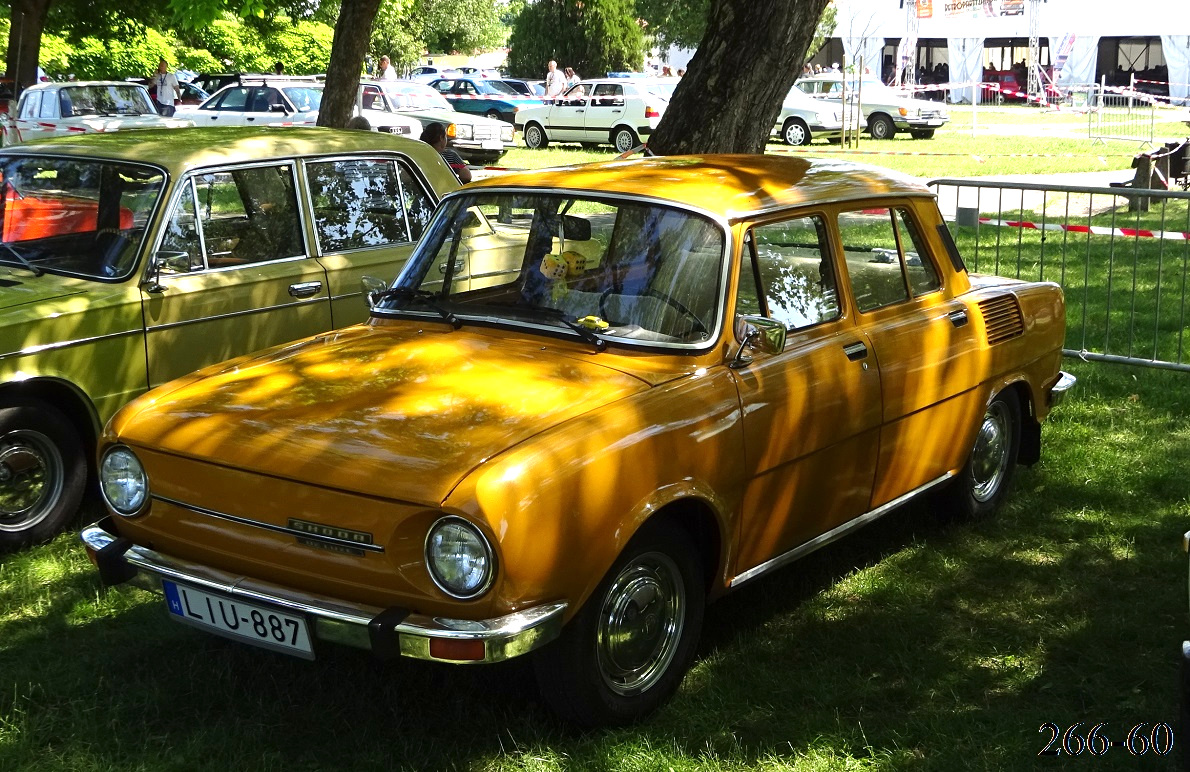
{"x": 595, "y": 398}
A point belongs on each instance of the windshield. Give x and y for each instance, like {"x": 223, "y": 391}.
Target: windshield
{"x": 305, "y": 98}
{"x": 75, "y": 216}
{"x": 620, "y": 271}
{"x": 105, "y": 100}
{"x": 416, "y": 98}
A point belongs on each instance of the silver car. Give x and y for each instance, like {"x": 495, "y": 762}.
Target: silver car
{"x": 886, "y": 110}
{"x": 804, "y": 118}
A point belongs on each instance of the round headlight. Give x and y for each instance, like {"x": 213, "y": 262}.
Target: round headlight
{"x": 458, "y": 557}
{"x": 123, "y": 481}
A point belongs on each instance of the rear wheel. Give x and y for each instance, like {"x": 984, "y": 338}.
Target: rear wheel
{"x": 627, "y": 649}
{"x": 881, "y": 127}
{"x": 43, "y": 473}
{"x": 624, "y": 139}
{"x": 795, "y": 132}
{"x": 985, "y": 478}
{"x": 535, "y": 137}
{"x": 923, "y": 134}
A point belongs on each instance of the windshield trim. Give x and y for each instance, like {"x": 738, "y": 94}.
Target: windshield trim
{"x": 486, "y": 319}
{"x": 150, "y": 221}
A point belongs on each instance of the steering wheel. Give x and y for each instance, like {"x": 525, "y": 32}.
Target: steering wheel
{"x": 696, "y": 326}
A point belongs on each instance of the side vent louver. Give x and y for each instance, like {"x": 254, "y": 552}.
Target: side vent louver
{"x": 1002, "y": 316}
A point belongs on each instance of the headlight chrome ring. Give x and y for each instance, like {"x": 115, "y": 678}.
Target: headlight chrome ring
{"x": 123, "y": 482}
{"x": 459, "y": 558}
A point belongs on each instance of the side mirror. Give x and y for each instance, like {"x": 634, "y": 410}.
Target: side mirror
{"x": 176, "y": 262}
{"x": 576, "y": 228}
{"x": 371, "y": 286}
{"x": 757, "y": 333}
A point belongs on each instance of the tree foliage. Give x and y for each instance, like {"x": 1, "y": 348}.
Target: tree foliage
{"x": 684, "y": 24}
{"x": 592, "y": 36}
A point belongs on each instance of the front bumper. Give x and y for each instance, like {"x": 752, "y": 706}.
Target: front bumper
{"x": 387, "y": 633}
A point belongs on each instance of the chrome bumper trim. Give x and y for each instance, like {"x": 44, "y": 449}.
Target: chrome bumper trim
{"x": 1058, "y": 391}
{"x": 382, "y": 631}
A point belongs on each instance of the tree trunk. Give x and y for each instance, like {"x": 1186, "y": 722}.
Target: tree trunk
{"x": 24, "y": 41}
{"x": 352, "y": 31}
{"x": 748, "y": 59}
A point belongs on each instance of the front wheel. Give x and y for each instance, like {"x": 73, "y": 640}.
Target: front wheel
{"x": 627, "y": 649}
{"x": 923, "y": 134}
{"x": 795, "y": 132}
{"x": 881, "y": 127}
{"x": 984, "y": 480}
{"x": 493, "y": 114}
{"x": 624, "y": 140}
{"x": 535, "y": 138}
{"x": 43, "y": 473}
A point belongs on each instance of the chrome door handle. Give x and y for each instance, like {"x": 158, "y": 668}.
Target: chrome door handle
{"x": 958, "y": 318}
{"x": 305, "y": 289}
{"x": 855, "y": 351}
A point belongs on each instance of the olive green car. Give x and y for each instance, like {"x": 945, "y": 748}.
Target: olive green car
{"x": 129, "y": 259}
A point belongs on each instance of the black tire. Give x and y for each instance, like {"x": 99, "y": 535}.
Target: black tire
{"x": 535, "y": 137}
{"x": 624, "y": 139}
{"x": 986, "y": 476}
{"x": 880, "y": 126}
{"x": 43, "y": 473}
{"x": 923, "y": 134}
{"x": 795, "y": 132}
{"x": 627, "y": 649}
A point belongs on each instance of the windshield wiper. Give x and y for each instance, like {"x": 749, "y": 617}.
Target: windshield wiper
{"x": 24, "y": 261}
{"x": 421, "y": 296}
{"x": 557, "y": 314}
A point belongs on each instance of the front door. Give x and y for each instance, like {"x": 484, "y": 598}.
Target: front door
{"x": 812, "y": 411}
{"x": 235, "y": 275}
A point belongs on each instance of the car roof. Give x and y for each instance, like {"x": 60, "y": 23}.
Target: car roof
{"x": 730, "y": 186}
{"x": 76, "y": 83}
{"x": 187, "y": 148}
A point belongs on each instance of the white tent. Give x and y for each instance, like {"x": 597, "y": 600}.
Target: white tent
{"x": 1078, "y": 23}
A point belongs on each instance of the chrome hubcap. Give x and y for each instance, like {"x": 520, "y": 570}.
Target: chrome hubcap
{"x": 794, "y": 135}
{"x": 640, "y": 624}
{"x": 534, "y": 136}
{"x": 623, "y": 141}
{"x": 31, "y": 479}
{"x": 989, "y": 458}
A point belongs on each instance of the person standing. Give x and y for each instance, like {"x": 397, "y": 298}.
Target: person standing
{"x": 167, "y": 92}
{"x": 386, "y": 69}
{"x": 555, "y": 81}
{"x": 572, "y": 77}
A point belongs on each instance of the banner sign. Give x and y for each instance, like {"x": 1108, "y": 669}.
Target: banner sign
{"x": 978, "y": 8}
{"x": 925, "y": 9}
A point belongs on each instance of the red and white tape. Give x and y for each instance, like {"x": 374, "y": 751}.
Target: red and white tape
{"x": 1096, "y": 230}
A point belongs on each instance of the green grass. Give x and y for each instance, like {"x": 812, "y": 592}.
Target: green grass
{"x": 1013, "y": 139}
{"x": 919, "y": 643}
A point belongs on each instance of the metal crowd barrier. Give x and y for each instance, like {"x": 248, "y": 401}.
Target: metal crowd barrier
{"x": 1124, "y": 270}
{"x": 1122, "y": 114}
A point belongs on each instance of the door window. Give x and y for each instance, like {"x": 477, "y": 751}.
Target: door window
{"x": 232, "y": 99}
{"x": 365, "y": 202}
{"x": 887, "y": 260}
{"x": 236, "y": 217}
{"x": 788, "y": 274}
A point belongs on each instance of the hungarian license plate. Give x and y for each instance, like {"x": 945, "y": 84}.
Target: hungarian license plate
{"x": 934, "y": 123}
{"x": 248, "y": 622}
{"x": 491, "y": 144}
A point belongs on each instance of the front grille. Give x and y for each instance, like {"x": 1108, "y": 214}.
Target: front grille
{"x": 486, "y": 132}
{"x": 1002, "y": 318}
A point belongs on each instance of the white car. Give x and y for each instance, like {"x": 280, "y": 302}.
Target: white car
{"x": 803, "y": 118}
{"x": 81, "y": 107}
{"x": 886, "y": 109}
{"x": 622, "y": 112}
{"x": 477, "y": 139}
{"x": 273, "y": 102}
{"x": 428, "y": 73}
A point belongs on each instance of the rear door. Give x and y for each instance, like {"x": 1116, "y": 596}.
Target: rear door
{"x": 235, "y": 273}
{"x": 368, "y": 212}
{"x": 607, "y": 109}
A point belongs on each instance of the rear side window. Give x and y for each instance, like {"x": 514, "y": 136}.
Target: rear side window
{"x": 887, "y": 260}
{"x": 361, "y": 203}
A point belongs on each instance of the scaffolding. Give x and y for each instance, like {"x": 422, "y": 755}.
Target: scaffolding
{"x": 1036, "y": 94}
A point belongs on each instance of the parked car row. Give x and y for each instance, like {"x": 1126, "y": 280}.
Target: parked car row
{"x": 885, "y": 110}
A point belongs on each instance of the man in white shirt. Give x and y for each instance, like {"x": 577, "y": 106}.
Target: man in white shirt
{"x": 167, "y": 92}
{"x": 386, "y": 69}
{"x": 555, "y": 80}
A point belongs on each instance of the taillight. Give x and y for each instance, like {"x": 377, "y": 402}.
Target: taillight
{"x": 651, "y": 112}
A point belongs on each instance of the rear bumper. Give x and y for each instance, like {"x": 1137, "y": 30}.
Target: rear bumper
{"x": 1057, "y": 392}
{"x": 386, "y": 633}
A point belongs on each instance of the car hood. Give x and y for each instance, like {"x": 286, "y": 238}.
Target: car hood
{"x": 450, "y": 116}
{"x": 391, "y": 411}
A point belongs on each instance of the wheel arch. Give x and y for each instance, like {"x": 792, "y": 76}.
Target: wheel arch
{"x": 66, "y": 397}
{"x": 697, "y": 518}
{"x": 1029, "y": 452}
